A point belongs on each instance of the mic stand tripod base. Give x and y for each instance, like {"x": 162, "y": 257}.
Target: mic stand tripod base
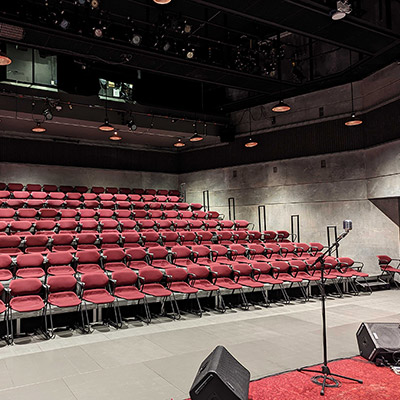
{"x": 326, "y": 378}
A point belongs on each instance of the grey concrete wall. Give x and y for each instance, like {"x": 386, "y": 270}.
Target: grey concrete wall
{"x": 75, "y": 176}
{"x": 321, "y": 196}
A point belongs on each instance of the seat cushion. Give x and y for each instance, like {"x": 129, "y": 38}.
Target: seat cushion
{"x": 182, "y": 287}
{"x": 64, "y": 299}
{"x": 98, "y": 296}
{"x": 204, "y": 284}
{"x": 128, "y": 293}
{"x": 115, "y": 266}
{"x": 289, "y": 278}
{"x": 265, "y": 278}
{"x": 60, "y": 270}
{"x": 250, "y": 282}
{"x": 156, "y": 290}
{"x": 42, "y": 250}
{"x": 27, "y": 303}
{"x": 307, "y": 277}
{"x": 30, "y": 273}
{"x": 88, "y": 268}
{"x": 63, "y": 248}
{"x": 227, "y": 283}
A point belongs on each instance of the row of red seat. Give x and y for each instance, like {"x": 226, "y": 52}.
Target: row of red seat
{"x": 25, "y": 195}
{"x": 30, "y": 187}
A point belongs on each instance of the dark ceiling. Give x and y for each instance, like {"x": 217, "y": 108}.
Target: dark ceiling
{"x": 244, "y": 53}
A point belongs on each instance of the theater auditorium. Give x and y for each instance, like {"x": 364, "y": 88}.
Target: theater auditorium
{"x": 199, "y": 199}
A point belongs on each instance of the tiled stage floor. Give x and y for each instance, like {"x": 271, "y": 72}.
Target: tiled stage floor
{"x": 160, "y": 361}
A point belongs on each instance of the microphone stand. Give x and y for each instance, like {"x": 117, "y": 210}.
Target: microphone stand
{"x": 325, "y": 374}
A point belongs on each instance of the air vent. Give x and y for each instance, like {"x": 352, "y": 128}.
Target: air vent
{"x": 11, "y": 32}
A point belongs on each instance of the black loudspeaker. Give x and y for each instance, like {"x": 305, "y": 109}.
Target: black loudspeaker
{"x": 377, "y": 339}
{"x": 221, "y": 377}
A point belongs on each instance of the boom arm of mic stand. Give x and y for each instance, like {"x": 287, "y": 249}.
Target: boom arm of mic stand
{"x": 320, "y": 258}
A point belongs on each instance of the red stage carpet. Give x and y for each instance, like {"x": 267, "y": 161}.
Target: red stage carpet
{"x": 379, "y": 383}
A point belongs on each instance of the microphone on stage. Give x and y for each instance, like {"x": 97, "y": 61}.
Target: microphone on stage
{"x": 347, "y": 226}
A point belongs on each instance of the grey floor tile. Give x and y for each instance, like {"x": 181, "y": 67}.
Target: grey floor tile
{"x": 56, "y": 389}
{"x": 134, "y": 381}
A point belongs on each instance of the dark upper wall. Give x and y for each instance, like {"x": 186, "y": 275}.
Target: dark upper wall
{"x": 380, "y": 126}
{"x": 60, "y": 153}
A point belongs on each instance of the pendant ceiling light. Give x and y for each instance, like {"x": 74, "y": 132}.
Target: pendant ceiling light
{"x": 179, "y": 143}
{"x": 4, "y": 59}
{"x": 353, "y": 121}
{"x": 281, "y": 107}
{"x": 162, "y": 1}
{"x": 196, "y": 137}
{"x": 106, "y": 126}
{"x": 250, "y": 142}
{"x": 38, "y": 128}
{"x": 115, "y": 136}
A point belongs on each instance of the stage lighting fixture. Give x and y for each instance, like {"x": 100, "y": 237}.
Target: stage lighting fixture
{"x": 106, "y": 127}
{"x": 136, "y": 39}
{"x": 281, "y": 107}
{"x": 251, "y": 143}
{"x": 187, "y": 28}
{"x": 179, "y": 143}
{"x": 162, "y": 1}
{"x": 196, "y": 137}
{"x": 190, "y": 54}
{"x": 115, "y": 136}
{"x": 131, "y": 125}
{"x": 95, "y": 3}
{"x": 64, "y": 24}
{"x": 81, "y": 2}
{"x": 342, "y": 9}
{"x": 38, "y": 128}
{"x": 4, "y": 59}
{"x": 48, "y": 115}
{"x": 167, "y": 46}
{"x": 98, "y": 32}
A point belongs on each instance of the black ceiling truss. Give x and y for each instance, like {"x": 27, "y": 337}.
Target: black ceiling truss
{"x": 234, "y": 44}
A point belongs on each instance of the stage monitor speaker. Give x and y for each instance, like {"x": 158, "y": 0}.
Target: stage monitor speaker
{"x": 221, "y": 377}
{"x": 377, "y": 339}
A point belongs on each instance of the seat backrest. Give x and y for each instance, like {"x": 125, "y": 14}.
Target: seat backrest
{"x": 151, "y": 275}
{"x": 181, "y": 251}
{"x": 21, "y": 194}
{"x": 258, "y": 248}
{"x": 137, "y": 254}
{"x": 33, "y": 187}
{"x": 7, "y": 213}
{"x": 203, "y": 251}
{"x": 283, "y": 266}
{"x": 239, "y": 249}
{"x": 26, "y": 286}
{"x": 125, "y": 190}
{"x": 131, "y": 237}
{"x": 88, "y": 256}
{"x": 27, "y": 213}
{"x": 241, "y": 224}
{"x": 20, "y": 226}
{"x": 151, "y": 237}
{"x": 125, "y": 277}
{"x": 114, "y": 255}
{"x": 5, "y": 261}
{"x": 200, "y": 271}
{"x": 9, "y": 241}
{"x": 106, "y": 196}
{"x": 270, "y": 235}
{"x": 272, "y": 248}
{"x": 110, "y": 237}
{"x": 223, "y": 271}
{"x": 50, "y": 188}
{"x": 60, "y": 258}
{"x": 120, "y": 197}
{"x": 30, "y": 260}
{"x": 112, "y": 190}
{"x": 89, "y": 196}
{"x": 36, "y": 240}
{"x": 81, "y": 189}
{"x": 176, "y": 274}
{"x": 95, "y": 280}
{"x": 300, "y": 264}
{"x": 97, "y": 189}
{"x": 69, "y": 213}
{"x": 4, "y": 194}
{"x": 384, "y": 260}
{"x": 67, "y": 224}
{"x": 65, "y": 283}
{"x": 74, "y": 195}
{"x": 104, "y": 213}
{"x": 222, "y": 250}
{"x": 66, "y": 188}
{"x": 86, "y": 238}
{"x": 244, "y": 269}
{"x": 50, "y": 212}
{"x": 62, "y": 238}
{"x": 159, "y": 253}
{"x": 39, "y": 195}
{"x": 226, "y": 224}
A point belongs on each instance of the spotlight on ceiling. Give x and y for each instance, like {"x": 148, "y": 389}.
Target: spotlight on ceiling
{"x": 342, "y": 9}
{"x": 98, "y": 32}
{"x": 196, "y": 137}
{"x": 281, "y": 107}
{"x": 251, "y": 143}
{"x": 179, "y": 143}
{"x": 64, "y": 24}
{"x": 166, "y": 46}
{"x": 4, "y": 59}
{"x": 38, "y": 128}
{"x": 136, "y": 39}
{"x": 162, "y": 1}
{"x": 190, "y": 54}
{"x": 115, "y": 136}
{"x": 353, "y": 121}
{"x": 187, "y": 28}
{"x": 81, "y": 2}
{"x": 95, "y": 3}
{"x": 48, "y": 115}
{"x": 106, "y": 127}
{"x": 131, "y": 125}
